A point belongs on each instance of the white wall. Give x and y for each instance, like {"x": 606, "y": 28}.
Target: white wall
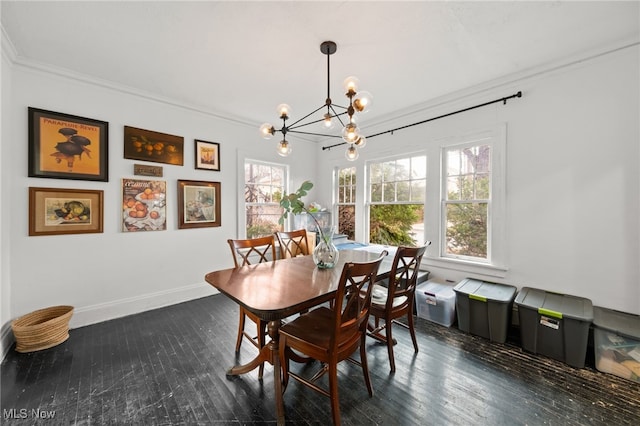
{"x": 573, "y": 179}
{"x": 116, "y": 273}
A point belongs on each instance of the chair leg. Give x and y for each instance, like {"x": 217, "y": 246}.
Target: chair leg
{"x": 333, "y": 392}
{"x": 412, "y": 331}
{"x": 392, "y": 361}
{"x": 365, "y": 365}
{"x": 262, "y": 329}
{"x": 240, "y": 331}
{"x": 284, "y": 362}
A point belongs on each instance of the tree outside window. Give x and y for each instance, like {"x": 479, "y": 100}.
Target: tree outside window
{"x": 347, "y": 202}
{"x": 397, "y": 195}
{"x": 263, "y": 189}
{"x": 467, "y": 201}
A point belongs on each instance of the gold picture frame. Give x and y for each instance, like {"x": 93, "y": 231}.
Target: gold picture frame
{"x": 59, "y": 211}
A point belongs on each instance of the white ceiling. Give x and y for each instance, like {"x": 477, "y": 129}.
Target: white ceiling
{"x": 241, "y": 59}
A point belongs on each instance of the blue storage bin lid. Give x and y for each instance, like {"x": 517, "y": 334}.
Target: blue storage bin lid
{"x": 485, "y": 291}
{"x": 555, "y": 305}
{"x": 621, "y": 323}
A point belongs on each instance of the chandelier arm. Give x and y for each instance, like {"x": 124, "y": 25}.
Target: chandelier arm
{"x": 306, "y": 116}
{"x": 324, "y": 135}
{"x": 336, "y": 115}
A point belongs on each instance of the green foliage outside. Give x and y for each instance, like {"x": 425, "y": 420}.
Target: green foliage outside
{"x": 391, "y": 223}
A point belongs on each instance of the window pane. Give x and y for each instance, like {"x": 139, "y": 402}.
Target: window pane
{"x": 419, "y": 167}
{"x": 403, "y": 168}
{"x": 397, "y": 224}
{"x": 389, "y": 192}
{"x": 375, "y": 173}
{"x": 482, "y": 186}
{"x": 466, "y": 233}
{"x": 402, "y": 191}
{"x": 347, "y": 221}
{"x": 262, "y": 220}
{"x": 376, "y": 193}
{"x": 417, "y": 190}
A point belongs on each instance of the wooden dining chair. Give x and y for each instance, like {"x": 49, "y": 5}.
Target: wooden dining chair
{"x": 396, "y": 300}
{"x": 333, "y": 335}
{"x": 248, "y": 252}
{"x": 293, "y": 243}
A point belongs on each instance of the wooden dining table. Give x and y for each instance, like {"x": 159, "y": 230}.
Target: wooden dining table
{"x": 276, "y": 290}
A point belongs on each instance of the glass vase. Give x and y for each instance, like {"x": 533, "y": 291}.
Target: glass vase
{"x": 325, "y": 254}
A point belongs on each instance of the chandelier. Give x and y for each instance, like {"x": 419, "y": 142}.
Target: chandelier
{"x": 326, "y": 115}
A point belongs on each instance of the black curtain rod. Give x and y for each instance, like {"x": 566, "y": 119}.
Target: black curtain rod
{"x": 503, "y": 100}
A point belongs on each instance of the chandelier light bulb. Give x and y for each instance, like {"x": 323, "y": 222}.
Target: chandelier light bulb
{"x": 284, "y": 111}
{"x": 362, "y": 102}
{"x": 327, "y": 122}
{"x": 361, "y": 142}
{"x": 350, "y": 85}
{"x": 351, "y": 153}
{"x": 267, "y": 130}
{"x": 350, "y": 133}
{"x": 284, "y": 149}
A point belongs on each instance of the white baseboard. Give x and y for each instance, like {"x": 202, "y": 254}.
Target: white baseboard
{"x": 132, "y": 305}
{"x": 92, "y": 314}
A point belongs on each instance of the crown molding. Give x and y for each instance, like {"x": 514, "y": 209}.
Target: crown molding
{"x": 489, "y": 87}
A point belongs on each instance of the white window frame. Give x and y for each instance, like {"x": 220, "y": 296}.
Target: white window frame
{"x": 496, "y": 215}
{"x": 337, "y": 202}
{"x": 367, "y": 183}
{"x": 242, "y": 205}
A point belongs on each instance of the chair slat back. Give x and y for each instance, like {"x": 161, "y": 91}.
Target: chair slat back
{"x": 255, "y": 250}
{"x": 350, "y": 307}
{"x": 293, "y": 243}
{"x": 404, "y": 271}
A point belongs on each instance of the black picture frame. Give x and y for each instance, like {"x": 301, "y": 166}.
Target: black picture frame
{"x": 65, "y": 146}
{"x": 207, "y": 155}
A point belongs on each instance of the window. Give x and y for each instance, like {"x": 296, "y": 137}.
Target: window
{"x": 473, "y": 199}
{"x": 264, "y": 184}
{"x": 347, "y": 202}
{"x": 397, "y": 190}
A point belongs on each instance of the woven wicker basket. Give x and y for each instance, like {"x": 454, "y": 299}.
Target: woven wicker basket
{"x": 42, "y": 329}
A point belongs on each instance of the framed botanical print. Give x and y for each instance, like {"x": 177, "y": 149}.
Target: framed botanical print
{"x": 64, "y": 146}
{"x": 198, "y": 204}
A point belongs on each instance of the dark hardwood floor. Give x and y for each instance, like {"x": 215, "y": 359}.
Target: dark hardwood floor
{"x": 167, "y": 367}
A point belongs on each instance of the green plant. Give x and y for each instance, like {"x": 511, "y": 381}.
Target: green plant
{"x": 292, "y": 203}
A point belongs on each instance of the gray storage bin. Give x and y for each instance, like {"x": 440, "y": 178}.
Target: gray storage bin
{"x": 484, "y": 308}
{"x": 616, "y": 337}
{"x": 555, "y": 325}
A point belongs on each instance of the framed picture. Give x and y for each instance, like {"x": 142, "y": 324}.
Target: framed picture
{"x": 144, "y": 205}
{"x": 198, "y": 204}
{"x": 207, "y": 155}
{"x": 55, "y": 211}
{"x": 147, "y": 145}
{"x": 64, "y": 146}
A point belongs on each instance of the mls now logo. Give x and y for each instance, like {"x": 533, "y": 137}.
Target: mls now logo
{"x": 23, "y": 413}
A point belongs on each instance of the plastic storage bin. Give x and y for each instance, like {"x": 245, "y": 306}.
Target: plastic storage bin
{"x": 616, "y": 337}
{"x": 554, "y": 325}
{"x": 436, "y": 302}
{"x": 484, "y": 308}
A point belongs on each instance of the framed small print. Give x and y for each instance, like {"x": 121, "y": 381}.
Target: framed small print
{"x": 147, "y": 145}
{"x": 207, "y": 155}
{"x": 64, "y": 146}
{"x": 198, "y": 204}
{"x": 55, "y": 211}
